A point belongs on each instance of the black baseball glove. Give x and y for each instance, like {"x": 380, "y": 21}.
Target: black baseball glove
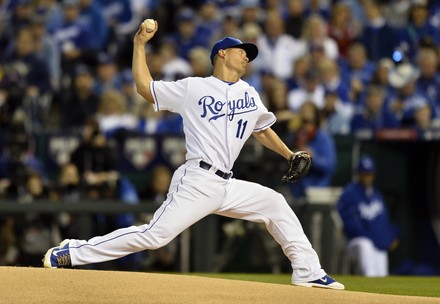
{"x": 298, "y": 165}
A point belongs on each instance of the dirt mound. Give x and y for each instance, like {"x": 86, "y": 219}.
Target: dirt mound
{"x": 38, "y": 285}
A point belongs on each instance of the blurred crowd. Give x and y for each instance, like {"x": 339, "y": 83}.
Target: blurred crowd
{"x": 325, "y": 68}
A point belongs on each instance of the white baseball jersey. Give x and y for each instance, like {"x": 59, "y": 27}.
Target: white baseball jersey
{"x": 218, "y": 118}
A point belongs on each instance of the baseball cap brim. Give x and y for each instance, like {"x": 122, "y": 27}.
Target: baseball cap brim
{"x": 230, "y": 42}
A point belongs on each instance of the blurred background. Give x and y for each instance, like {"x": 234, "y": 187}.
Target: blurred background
{"x": 344, "y": 78}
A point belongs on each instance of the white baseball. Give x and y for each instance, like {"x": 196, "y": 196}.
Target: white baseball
{"x": 149, "y": 25}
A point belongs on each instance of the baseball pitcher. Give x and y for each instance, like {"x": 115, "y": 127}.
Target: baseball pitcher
{"x": 219, "y": 114}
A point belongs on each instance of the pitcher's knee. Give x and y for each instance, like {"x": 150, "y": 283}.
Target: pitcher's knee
{"x": 278, "y": 199}
{"x": 159, "y": 240}
{"x": 273, "y": 195}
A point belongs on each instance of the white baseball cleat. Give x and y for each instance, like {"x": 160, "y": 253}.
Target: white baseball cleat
{"x": 58, "y": 257}
{"x": 324, "y": 282}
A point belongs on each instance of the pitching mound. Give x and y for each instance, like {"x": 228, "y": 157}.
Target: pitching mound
{"x": 38, "y": 285}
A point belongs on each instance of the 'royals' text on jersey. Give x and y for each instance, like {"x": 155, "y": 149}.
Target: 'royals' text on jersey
{"x": 217, "y": 117}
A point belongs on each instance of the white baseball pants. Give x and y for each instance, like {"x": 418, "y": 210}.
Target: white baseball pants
{"x": 368, "y": 260}
{"x": 195, "y": 193}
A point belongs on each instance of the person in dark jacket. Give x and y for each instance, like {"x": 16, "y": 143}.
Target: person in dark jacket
{"x": 379, "y": 37}
{"x": 311, "y": 137}
{"x": 366, "y": 221}
{"x": 372, "y": 115}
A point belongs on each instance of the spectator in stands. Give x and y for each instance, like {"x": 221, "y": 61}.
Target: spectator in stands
{"x": 418, "y": 32}
{"x": 107, "y": 74}
{"x": 25, "y": 81}
{"x": 68, "y": 188}
{"x": 112, "y": 115}
{"x": 380, "y": 75}
{"x": 95, "y": 162}
{"x": 343, "y": 28}
{"x": 151, "y": 122}
{"x": 95, "y": 159}
{"x": 155, "y": 61}
{"x": 119, "y": 15}
{"x": 36, "y": 230}
{"x": 378, "y": 37}
{"x": 315, "y": 34}
{"x": 51, "y": 11}
{"x": 128, "y": 90}
{"x": 309, "y": 90}
{"x": 20, "y": 17}
{"x": 373, "y": 115}
{"x": 251, "y": 12}
{"x": 300, "y": 69}
{"x": 157, "y": 189}
{"x": 47, "y": 49}
{"x": 367, "y": 224}
{"x": 424, "y": 124}
{"x": 74, "y": 39}
{"x": 275, "y": 5}
{"x": 122, "y": 23}
{"x": 277, "y": 104}
{"x": 199, "y": 61}
{"x": 228, "y": 28}
{"x": 4, "y": 185}
{"x": 173, "y": 66}
{"x": 68, "y": 184}
{"x": 17, "y": 162}
{"x": 332, "y": 80}
{"x": 250, "y": 33}
{"x": 309, "y": 136}
{"x": 8, "y": 239}
{"x": 396, "y": 12}
{"x": 358, "y": 69}
{"x": 277, "y": 50}
{"x": 295, "y": 18}
{"x": 209, "y": 20}
{"x": 79, "y": 103}
{"x": 4, "y": 38}
{"x": 336, "y": 114}
{"x": 186, "y": 38}
{"x": 434, "y": 12}
{"x": 92, "y": 15}
{"x": 317, "y": 55}
{"x": 37, "y": 189}
{"x": 165, "y": 258}
{"x": 429, "y": 80}
{"x": 406, "y": 96}
{"x": 267, "y": 80}
{"x": 318, "y": 8}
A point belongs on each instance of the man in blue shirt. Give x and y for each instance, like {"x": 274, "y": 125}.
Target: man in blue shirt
{"x": 311, "y": 137}
{"x": 366, "y": 222}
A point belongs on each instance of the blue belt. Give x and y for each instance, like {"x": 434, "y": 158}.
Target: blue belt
{"x": 206, "y": 166}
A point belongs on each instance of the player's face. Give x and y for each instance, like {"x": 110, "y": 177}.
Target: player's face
{"x": 366, "y": 178}
{"x": 236, "y": 59}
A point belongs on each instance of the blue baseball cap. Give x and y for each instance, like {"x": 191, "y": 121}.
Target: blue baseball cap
{"x": 231, "y": 42}
{"x": 366, "y": 165}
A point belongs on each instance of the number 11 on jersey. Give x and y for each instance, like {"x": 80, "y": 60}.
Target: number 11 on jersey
{"x": 240, "y": 128}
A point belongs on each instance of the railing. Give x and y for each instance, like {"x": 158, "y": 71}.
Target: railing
{"x": 203, "y": 233}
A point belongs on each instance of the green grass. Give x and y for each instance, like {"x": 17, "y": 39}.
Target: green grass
{"x": 396, "y": 285}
